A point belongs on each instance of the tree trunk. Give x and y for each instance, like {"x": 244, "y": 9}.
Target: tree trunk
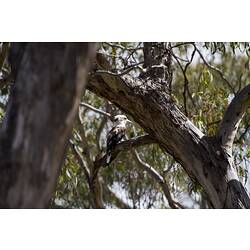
{"x": 148, "y": 101}
{"x": 49, "y": 80}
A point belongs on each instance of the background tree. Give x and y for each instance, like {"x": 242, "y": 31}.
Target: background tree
{"x": 48, "y": 81}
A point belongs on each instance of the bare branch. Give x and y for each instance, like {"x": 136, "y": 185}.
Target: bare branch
{"x": 95, "y": 109}
{"x": 80, "y": 161}
{"x": 86, "y": 148}
{"x": 232, "y": 117}
{"x": 156, "y": 176}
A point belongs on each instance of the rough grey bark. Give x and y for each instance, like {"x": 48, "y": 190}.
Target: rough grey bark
{"x": 49, "y": 79}
{"x": 147, "y": 100}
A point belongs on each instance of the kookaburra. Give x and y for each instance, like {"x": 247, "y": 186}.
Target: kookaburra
{"x": 116, "y": 134}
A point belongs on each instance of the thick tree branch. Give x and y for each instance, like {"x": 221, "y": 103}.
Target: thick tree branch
{"x": 232, "y": 118}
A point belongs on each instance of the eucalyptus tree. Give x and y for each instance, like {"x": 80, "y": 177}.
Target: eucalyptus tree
{"x": 143, "y": 89}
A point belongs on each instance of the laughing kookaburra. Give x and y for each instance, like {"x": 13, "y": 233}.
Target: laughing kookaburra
{"x": 116, "y": 134}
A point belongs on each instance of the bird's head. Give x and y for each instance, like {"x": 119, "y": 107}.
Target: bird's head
{"x": 121, "y": 119}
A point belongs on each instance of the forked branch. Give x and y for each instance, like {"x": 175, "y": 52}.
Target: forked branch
{"x": 232, "y": 118}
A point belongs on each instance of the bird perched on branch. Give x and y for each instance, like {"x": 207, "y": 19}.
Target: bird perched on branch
{"x": 116, "y": 134}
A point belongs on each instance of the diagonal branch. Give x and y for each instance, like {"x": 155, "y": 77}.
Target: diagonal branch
{"x": 125, "y": 146}
{"x": 232, "y": 118}
{"x": 95, "y": 109}
{"x": 159, "y": 179}
{"x": 80, "y": 161}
